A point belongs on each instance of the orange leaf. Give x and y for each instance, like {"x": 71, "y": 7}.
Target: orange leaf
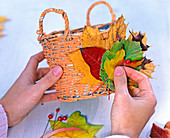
{"x": 149, "y": 68}
{"x": 83, "y": 67}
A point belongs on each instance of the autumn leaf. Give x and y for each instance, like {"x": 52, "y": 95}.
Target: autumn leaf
{"x": 133, "y": 50}
{"x": 157, "y": 132}
{"x": 130, "y": 50}
{"x": 93, "y": 56}
{"x": 139, "y": 37}
{"x": 3, "y": 19}
{"x": 92, "y": 38}
{"x": 109, "y": 65}
{"x": 117, "y": 30}
{"x": 83, "y": 67}
{"x": 76, "y": 120}
{"x": 167, "y": 129}
{"x": 149, "y": 69}
{"x": 118, "y": 51}
{"x": 167, "y": 125}
{"x": 1, "y": 27}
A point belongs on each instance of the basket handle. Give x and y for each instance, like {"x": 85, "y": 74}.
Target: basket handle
{"x": 97, "y": 3}
{"x": 59, "y": 11}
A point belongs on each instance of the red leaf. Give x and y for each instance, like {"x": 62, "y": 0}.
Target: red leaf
{"x": 93, "y": 56}
{"x": 157, "y": 132}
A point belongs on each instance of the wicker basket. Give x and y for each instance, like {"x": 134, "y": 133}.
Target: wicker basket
{"x": 57, "y": 44}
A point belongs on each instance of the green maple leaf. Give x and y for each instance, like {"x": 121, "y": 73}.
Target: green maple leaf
{"x": 78, "y": 121}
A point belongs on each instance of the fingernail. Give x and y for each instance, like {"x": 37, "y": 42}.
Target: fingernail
{"x": 57, "y": 70}
{"x": 118, "y": 71}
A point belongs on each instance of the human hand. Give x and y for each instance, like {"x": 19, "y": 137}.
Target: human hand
{"x": 26, "y": 93}
{"x": 131, "y": 110}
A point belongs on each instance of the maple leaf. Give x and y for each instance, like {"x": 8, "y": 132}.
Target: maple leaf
{"x": 76, "y": 120}
{"x": 83, "y": 67}
{"x": 92, "y": 38}
{"x": 157, "y": 132}
{"x": 139, "y": 37}
{"x": 117, "y": 32}
{"x": 149, "y": 69}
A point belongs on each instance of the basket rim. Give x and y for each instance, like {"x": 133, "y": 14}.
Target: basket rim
{"x": 75, "y": 30}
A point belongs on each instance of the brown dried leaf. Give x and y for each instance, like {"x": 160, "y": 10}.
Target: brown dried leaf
{"x": 149, "y": 68}
{"x": 139, "y": 37}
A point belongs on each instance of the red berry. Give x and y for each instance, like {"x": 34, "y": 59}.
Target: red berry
{"x": 127, "y": 61}
{"x": 50, "y": 116}
{"x": 57, "y": 110}
{"x": 64, "y": 118}
{"x": 60, "y": 118}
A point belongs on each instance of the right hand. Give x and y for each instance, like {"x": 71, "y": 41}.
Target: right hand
{"x": 131, "y": 110}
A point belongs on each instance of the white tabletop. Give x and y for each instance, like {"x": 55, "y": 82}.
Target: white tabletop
{"x": 20, "y": 42}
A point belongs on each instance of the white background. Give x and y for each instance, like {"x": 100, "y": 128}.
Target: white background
{"x": 20, "y": 42}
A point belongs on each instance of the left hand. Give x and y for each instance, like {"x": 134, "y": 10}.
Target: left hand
{"x": 26, "y": 93}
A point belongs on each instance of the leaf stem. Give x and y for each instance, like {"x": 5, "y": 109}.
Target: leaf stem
{"x": 48, "y": 130}
{"x": 108, "y": 93}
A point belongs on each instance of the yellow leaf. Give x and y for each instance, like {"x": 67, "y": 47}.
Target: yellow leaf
{"x": 149, "y": 68}
{"x": 83, "y": 67}
{"x": 1, "y": 34}
{"x": 109, "y": 65}
{"x": 3, "y": 19}
{"x": 1, "y": 27}
{"x": 117, "y": 29}
{"x": 73, "y": 134}
{"x": 92, "y": 38}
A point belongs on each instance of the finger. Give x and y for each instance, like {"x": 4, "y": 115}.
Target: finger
{"x": 50, "y": 79}
{"x": 134, "y": 92}
{"x": 140, "y": 78}
{"x": 51, "y": 88}
{"x": 49, "y": 97}
{"x": 34, "y": 60}
{"x": 41, "y": 72}
{"x": 120, "y": 81}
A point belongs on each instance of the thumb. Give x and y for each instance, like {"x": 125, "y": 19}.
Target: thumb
{"x": 120, "y": 81}
{"x": 50, "y": 78}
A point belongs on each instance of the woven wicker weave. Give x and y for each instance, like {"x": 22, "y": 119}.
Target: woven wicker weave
{"x": 57, "y": 44}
